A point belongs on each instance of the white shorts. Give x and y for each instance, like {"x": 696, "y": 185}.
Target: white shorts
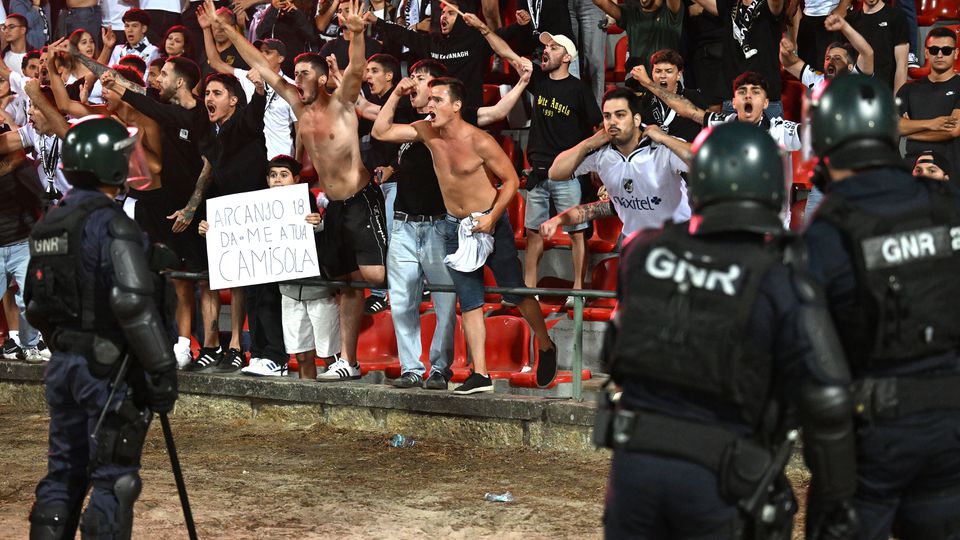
{"x": 311, "y": 325}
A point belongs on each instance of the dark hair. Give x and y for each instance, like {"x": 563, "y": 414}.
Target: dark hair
{"x": 31, "y": 55}
{"x": 454, "y": 87}
{"x": 182, "y": 30}
{"x": 389, "y": 63}
{"x": 20, "y": 19}
{"x": 751, "y": 77}
{"x": 939, "y": 32}
{"x": 318, "y": 62}
{"x": 285, "y": 161}
{"x": 77, "y": 35}
{"x": 231, "y": 83}
{"x": 133, "y": 61}
{"x": 667, "y": 56}
{"x": 129, "y": 73}
{"x": 848, "y": 48}
{"x": 431, "y": 67}
{"x": 158, "y": 62}
{"x": 136, "y": 15}
{"x": 186, "y": 69}
{"x": 633, "y": 103}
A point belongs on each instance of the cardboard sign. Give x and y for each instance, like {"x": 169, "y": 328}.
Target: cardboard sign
{"x": 260, "y": 237}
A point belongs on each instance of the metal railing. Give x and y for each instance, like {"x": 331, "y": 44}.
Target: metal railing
{"x": 579, "y": 295}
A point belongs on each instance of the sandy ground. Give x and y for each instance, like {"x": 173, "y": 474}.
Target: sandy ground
{"x": 257, "y": 479}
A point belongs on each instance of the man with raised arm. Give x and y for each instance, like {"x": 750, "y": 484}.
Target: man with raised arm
{"x": 841, "y": 58}
{"x": 354, "y": 241}
{"x": 463, "y": 156}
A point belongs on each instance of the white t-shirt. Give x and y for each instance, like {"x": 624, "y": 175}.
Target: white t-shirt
{"x": 111, "y": 13}
{"x": 785, "y": 132}
{"x": 173, "y": 6}
{"x": 645, "y": 187}
{"x": 19, "y": 105}
{"x": 45, "y": 149}
{"x": 143, "y": 49}
{"x": 277, "y": 116}
{"x": 14, "y": 61}
{"x": 812, "y": 78}
{"x": 819, "y": 8}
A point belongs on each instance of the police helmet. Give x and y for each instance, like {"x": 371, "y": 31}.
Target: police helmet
{"x": 736, "y": 179}
{"x": 96, "y": 150}
{"x": 854, "y": 123}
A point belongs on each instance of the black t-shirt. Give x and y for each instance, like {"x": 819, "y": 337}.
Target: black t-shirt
{"x": 230, "y": 56}
{"x": 383, "y": 153}
{"x": 922, "y": 100}
{"x": 883, "y": 30}
{"x": 418, "y": 189}
{"x": 760, "y": 32}
{"x": 655, "y": 111}
{"x": 564, "y": 113}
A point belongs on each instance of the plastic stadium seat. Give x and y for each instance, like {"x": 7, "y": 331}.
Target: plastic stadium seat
{"x": 619, "y": 71}
{"x": 931, "y": 11}
{"x": 428, "y": 326}
{"x": 603, "y": 277}
{"x": 491, "y": 95}
{"x": 507, "y": 345}
{"x": 377, "y": 344}
{"x": 606, "y": 232}
{"x": 792, "y": 98}
{"x": 516, "y": 211}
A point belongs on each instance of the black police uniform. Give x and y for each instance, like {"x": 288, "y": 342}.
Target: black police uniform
{"x": 884, "y": 245}
{"x": 89, "y": 289}
{"x": 717, "y": 338}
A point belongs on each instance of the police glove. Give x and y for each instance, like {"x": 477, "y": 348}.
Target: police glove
{"x": 840, "y": 522}
{"x": 162, "y": 391}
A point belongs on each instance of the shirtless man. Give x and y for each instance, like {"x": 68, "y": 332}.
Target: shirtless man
{"x": 462, "y": 157}
{"x": 354, "y": 242}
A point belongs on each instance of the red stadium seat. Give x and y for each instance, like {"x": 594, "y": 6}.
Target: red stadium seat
{"x": 491, "y": 95}
{"x": 606, "y": 232}
{"x": 507, "y": 345}
{"x": 931, "y": 11}
{"x": 509, "y": 147}
{"x": 516, "y": 211}
{"x": 377, "y": 344}
{"x": 792, "y": 98}
{"x": 428, "y": 326}
{"x": 619, "y": 71}
{"x": 604, "y": 278}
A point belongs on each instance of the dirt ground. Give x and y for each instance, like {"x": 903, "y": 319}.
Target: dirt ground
{"x": 256, "y": 479}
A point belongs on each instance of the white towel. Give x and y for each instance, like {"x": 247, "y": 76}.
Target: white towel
{"x": 473, "y": 249}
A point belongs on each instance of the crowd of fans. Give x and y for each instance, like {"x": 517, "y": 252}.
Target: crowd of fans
{"x": 225, "y": 101}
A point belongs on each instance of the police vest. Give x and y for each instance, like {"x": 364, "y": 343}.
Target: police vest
{"x": 55, "y": 283}
{"x": 685, "y": 320}
{"x": 907, "y": 299}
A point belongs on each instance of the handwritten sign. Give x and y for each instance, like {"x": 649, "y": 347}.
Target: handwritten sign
{"x": 260, "y": 237}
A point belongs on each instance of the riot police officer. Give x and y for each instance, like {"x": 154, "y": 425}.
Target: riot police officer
{"x": 721, "y": 346}
{"x": 90, "y": 290}
{"x": 884, "y": 246}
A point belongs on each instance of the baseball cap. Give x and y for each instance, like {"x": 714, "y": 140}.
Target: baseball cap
{"x": 274, "y": 44}
{"x": 936, "y": 158}
{"x": 560, "y": 40}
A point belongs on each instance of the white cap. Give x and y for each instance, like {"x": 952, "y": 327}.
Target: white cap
{"x": 560, "y": 40}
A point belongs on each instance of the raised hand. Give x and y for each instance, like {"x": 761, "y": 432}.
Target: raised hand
{"x": 406, "y": 86}
{"x": 354, "y": 21}
{"x": 472, "y": 20}
{"x": 834, "y": 23}
{"x": 523, "y": 17}
{"x": 640, "y": 74}
{"x": 108, "y": 37}
{"x": 202, "y": 18}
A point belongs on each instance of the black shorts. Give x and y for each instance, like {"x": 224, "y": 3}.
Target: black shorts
{"x": 151, "y": 214}
{"x": 354, "y": 233}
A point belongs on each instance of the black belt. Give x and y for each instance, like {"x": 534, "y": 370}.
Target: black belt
{"x": 416, "y": 218}
{"x": 896, "y": 397}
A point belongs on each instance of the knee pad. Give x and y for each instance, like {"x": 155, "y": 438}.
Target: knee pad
{"x": 50, "y": 522}
{"x": 117, "y": 522}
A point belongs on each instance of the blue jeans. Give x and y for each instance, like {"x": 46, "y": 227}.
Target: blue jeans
{"x": 813, "y": 201}
{"x": 88, "y": 18}
{"x": 909, "y": 10}
{"x": 503, "y": 262}
{"x": 591, "y": 44}
{"x": 389, "y": 197}
{"x": 773, "y": 110}
{"x": 415, "y": 252}
{"x": 14, "y": 259}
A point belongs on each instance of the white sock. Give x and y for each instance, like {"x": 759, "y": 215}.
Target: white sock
{"x": 182, "y": 343}
{"x": 15, "y": 336}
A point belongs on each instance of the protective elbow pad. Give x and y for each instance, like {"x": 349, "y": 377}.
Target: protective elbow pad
{"x": 131, "y": 300}
{"x": 826, "y": 414}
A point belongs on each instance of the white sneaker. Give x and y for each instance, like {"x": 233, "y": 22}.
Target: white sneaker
{"x": 340, "y": 371}
{"x": 32, "y": 356}
{"x": 912, "y": 61}
{"x": 264, "y": 367}
{"x": 184, "y": 357}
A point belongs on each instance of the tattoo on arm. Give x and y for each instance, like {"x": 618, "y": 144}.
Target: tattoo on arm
{"x": 677, "y": 102}
{"x": 202, "y": 182}
{"x": 99, "y": 69}
{"x": 591, "y": 211}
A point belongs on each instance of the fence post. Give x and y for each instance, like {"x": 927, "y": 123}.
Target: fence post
{"x": 577, "y": 365}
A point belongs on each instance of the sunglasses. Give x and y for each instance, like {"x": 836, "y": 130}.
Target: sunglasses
{"x": 947, "y": 51}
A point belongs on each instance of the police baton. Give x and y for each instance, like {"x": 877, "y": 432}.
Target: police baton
{"x": 178, "y": 475}
{"x": 757, "y": 501}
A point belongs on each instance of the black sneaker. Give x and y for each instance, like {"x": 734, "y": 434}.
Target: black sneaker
{"x": 407, "y": 380}
{"x": 436, "y": 381}
{"x": 12, "y": 351}
{"x": 547, "y": 366}
{"x": 208, "y": 358}
{"x": 232, "y": 361}
{"x": 474, "y": 384}
{"x": 375, "y": 304}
